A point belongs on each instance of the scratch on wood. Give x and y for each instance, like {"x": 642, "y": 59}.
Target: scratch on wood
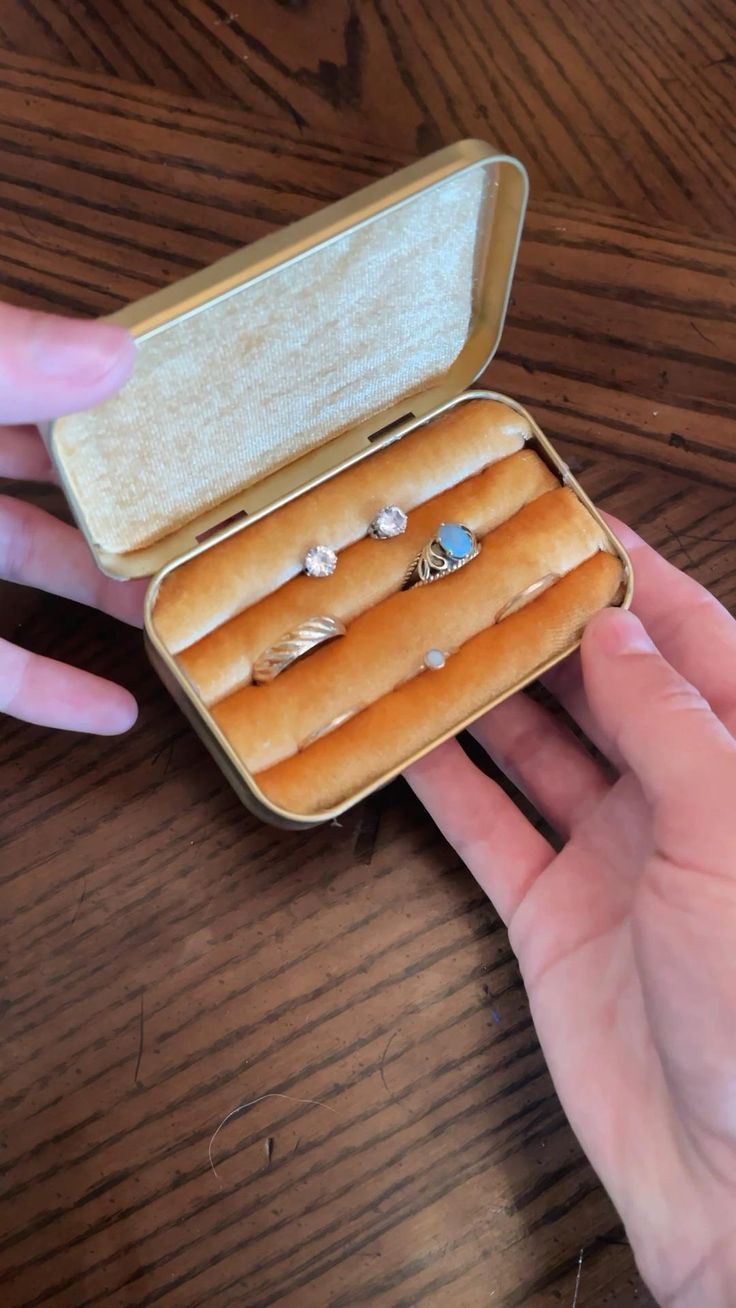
{"x": 168, "y": 749}
{"x": 684, "y": 548}
{"x": 493, "y": 1011}
{"x": 695, "y": 327}
{"x": 366, "y": 836}
{"x": 26, "y": 228}
{"x": 80, "y": 901}
{"x": 140, "y": 1044}
{"x": 391, "y": 1039}
{"x": 709, "y": 540}
{"x": 269, "y": 1149}
{"x": 581, "y": 1255}
{"x": 724, "y": 59}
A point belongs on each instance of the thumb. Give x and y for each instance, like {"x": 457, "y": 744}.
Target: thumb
{"x": 665, "y": 731}
{"x": 50, "y": 365}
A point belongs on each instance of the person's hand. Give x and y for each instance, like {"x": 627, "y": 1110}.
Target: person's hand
{"x": 51, "y": 366}
{"x": 627, "y": 937}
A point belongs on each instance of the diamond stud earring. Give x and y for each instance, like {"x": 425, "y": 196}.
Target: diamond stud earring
{"x": 390, "y": 521}
{"x": 320, "y": 561}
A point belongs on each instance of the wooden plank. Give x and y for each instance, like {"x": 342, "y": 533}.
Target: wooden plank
{"x": 626, "y": 105}
{"x": 624, "y": 335}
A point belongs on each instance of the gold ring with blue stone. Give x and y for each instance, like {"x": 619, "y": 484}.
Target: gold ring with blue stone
{"x": 451, "y": 547}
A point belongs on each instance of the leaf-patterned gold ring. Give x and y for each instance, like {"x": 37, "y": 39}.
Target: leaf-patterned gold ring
{"x": 294, "y": 645}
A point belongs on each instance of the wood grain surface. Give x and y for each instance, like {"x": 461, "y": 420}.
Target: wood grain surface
{"x": 165, "y": 957}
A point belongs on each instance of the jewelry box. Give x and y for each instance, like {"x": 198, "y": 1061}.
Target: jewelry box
{"x": 353, "y": 554}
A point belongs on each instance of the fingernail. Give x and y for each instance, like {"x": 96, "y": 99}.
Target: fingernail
{"x": 75, "y": 350}
{"x": 620, "y": 632}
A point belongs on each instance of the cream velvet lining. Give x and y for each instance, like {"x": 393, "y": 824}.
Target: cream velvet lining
{"x": 244, "y": 387}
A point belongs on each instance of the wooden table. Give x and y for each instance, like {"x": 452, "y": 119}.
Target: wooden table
{"x": 165, "y": 958}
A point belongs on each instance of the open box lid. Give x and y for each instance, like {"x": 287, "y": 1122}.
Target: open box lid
{"x": 281, "y": 363}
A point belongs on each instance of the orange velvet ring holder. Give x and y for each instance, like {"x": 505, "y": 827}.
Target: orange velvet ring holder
{"x": 215, "y": 585}
{"x": 335, "y": 721}
{"x": 385, "y": 646}
{"x": 430, "y": 706}
{"x": 369, "y": 572}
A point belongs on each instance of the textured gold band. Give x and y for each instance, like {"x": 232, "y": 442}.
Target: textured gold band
{"x": 294, "y": 645}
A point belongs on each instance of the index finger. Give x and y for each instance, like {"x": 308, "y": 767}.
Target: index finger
{"x": 41, "y": 690}
{"x": 50, "y": 365}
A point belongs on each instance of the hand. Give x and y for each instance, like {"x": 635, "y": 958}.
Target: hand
{"x": 627, "y": 938}
{"x": 50, "y": 366}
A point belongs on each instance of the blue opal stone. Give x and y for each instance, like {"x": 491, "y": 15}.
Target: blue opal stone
{"x": 455, "y": 541}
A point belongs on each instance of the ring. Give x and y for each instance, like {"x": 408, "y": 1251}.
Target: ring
{"x": 450, "y": 548}
{"x": 390, "y": 521}
{"x": 339, "y": 721}
{"x": 529, "y": 593}
{"x": 294, "y": 645}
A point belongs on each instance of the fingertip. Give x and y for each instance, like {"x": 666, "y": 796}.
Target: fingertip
{"x": 121, "y": 354}
{"x": 52, "y": 694}
{"x": 50, "y": 366}
{"x": 119, "y": 715}
{"x": 82, "y": 352}
{"x": 93, "y": 704}
{"x": 613, "y": 632}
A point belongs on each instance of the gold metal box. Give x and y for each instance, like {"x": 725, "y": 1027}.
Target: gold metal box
{"x": 160, "y": 518}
